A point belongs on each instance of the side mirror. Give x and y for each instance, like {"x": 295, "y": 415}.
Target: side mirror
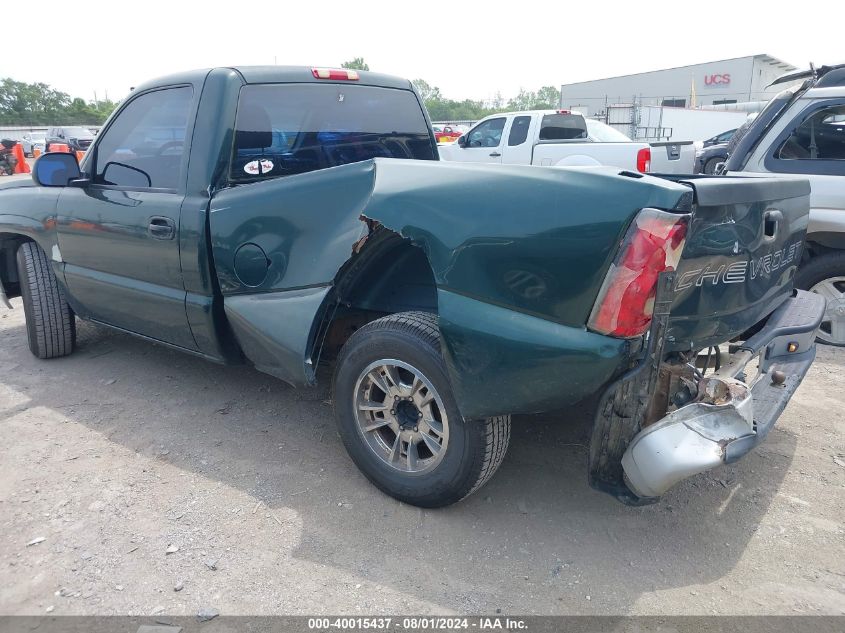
{"x": 56, "y": 169}
{"x": 462, "y": 140}
{"x": 126, "y": 175}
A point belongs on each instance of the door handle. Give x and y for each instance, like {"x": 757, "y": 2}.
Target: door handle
{"x": 495, "y": 154}
{"x": 162, "y": 228}
{"x": 771, "y": 220}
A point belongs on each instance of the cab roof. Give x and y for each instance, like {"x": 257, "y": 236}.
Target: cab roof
{"x": 279, "y": 74}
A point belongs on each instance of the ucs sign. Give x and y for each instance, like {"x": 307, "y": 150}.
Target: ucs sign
{"x": 717, "y": 80}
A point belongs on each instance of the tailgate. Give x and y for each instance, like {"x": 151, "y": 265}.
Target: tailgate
{"x": 743, "y": 246}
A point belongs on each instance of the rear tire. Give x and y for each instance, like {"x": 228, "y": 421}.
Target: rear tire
{"x": 50, "y": 322}
{"x": 825, "y": 275}
{"x": 710, "y": 165}
{"x": 384, "y": 371}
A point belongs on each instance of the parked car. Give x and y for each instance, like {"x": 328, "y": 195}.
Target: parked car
{"x": 449, "y": 133}
{"x": 75, "y": 137}
{"x": 547, "y": 138}
{"x": 710, "y": 157}
{"x": 719, "y": 139}
{"x": 801, "y": 132}
{"x": 31, "y": 141}
{"x": 447, "y": 296}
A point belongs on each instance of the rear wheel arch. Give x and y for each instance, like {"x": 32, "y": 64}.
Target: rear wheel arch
{"x": 824, "y": 272}
{"x": 823, "y": 242}
{"x": 388, "y": 275}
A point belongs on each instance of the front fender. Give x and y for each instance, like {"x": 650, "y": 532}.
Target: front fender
{"x": 30, "y": 212}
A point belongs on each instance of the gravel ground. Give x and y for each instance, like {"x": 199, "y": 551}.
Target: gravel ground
{"x": 136, "y": 480}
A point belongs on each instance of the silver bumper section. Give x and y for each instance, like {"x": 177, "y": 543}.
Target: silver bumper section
{"x": 729, "y": 417}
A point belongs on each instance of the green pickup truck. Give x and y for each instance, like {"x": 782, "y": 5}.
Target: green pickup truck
{"x": 285, "y": 217}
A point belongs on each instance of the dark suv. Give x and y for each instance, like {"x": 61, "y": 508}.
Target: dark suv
{"x": 76, "y": 138}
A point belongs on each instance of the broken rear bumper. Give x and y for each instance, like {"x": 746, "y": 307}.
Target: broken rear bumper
{"x": 729, "y": 417}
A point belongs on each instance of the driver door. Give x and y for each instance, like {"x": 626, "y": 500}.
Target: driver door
{"x": 484, "y": 142}
{"x": 119, "y": 234}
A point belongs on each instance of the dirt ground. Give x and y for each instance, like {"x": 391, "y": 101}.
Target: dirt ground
{"x": 126, "y": 451}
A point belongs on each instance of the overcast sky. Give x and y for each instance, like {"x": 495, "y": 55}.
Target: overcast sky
{"x": 469, "y": 49}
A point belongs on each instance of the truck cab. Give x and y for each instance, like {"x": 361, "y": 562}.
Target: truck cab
{"x": 548, "y": 138}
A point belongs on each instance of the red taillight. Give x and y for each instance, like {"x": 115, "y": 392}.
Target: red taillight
{"x": 335, "y": 73}
{"x": 652, "y": 245}
{"x": 644, "y": 160}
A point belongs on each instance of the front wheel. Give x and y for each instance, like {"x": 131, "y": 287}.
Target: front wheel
{"x": 50, "y": 322}
{"x": 825, "y": 275}
{"x": 399, "y": 421}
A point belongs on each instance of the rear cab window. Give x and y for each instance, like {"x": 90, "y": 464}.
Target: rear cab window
{"x": 563, "y": 127}
{"x": 287, "y": 129}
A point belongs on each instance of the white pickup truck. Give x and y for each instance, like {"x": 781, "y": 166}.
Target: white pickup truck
{"x": 559, "y": 138}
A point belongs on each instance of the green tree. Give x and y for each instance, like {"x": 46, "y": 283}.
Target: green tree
{"x": 548, "y": 98}
{"x": 39, "y": 104}
{"x": 356, "y": 64}
{"x": 426, "y": 91}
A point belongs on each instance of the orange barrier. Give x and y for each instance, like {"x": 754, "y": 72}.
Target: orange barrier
{"x": 79, "y": 154}
{"x": 59, "y": 147}
{"x": 36, "y": 152}
{"x": 22, "y": 167}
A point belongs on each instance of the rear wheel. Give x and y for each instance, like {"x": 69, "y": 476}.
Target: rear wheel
{"x": 50, "y": 323}
{"x": 710, "y": 165}
{"x": 399, "y": 421}
{"x": 825, "y": 275}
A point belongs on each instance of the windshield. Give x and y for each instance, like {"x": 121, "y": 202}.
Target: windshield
{"x": 287, "y": 129}
{"x": 37, "y": 136}
{"x": 78, "y": 132}
{"x": 602, "y": 133}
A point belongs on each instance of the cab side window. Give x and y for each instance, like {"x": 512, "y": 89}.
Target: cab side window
{"x": 487, "y": 134}
{"x": 821, "y": 136}
{"x": 519, "y": 130}
{"x": 144, "y": 146}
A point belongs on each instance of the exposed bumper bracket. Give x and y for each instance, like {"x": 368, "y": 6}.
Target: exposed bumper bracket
{"x": 726, "y": 420}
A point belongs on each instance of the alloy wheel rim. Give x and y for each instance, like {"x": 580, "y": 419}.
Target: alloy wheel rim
{"x": 401, "y": 416}
{"x": 832, "y": 329}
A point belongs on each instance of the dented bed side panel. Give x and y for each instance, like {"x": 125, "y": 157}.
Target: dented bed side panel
{"x": 502, "y": 361}
{"x": 517, "y": 254}
{"x": 537, "y": 240}
{"x": 304, "y": 225}
{"x": 277, "y": 247}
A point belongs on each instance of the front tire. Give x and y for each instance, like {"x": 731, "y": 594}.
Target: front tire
{"x": 399, "y": 421}
{"x": 825, "y": 275}
{"x": 50, "y": 322}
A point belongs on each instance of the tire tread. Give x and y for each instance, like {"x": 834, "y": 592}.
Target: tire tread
{"x": 50, "y": 321}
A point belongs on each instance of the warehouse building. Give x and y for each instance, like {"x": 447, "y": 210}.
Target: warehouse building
{"x": 728, "y": 81}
